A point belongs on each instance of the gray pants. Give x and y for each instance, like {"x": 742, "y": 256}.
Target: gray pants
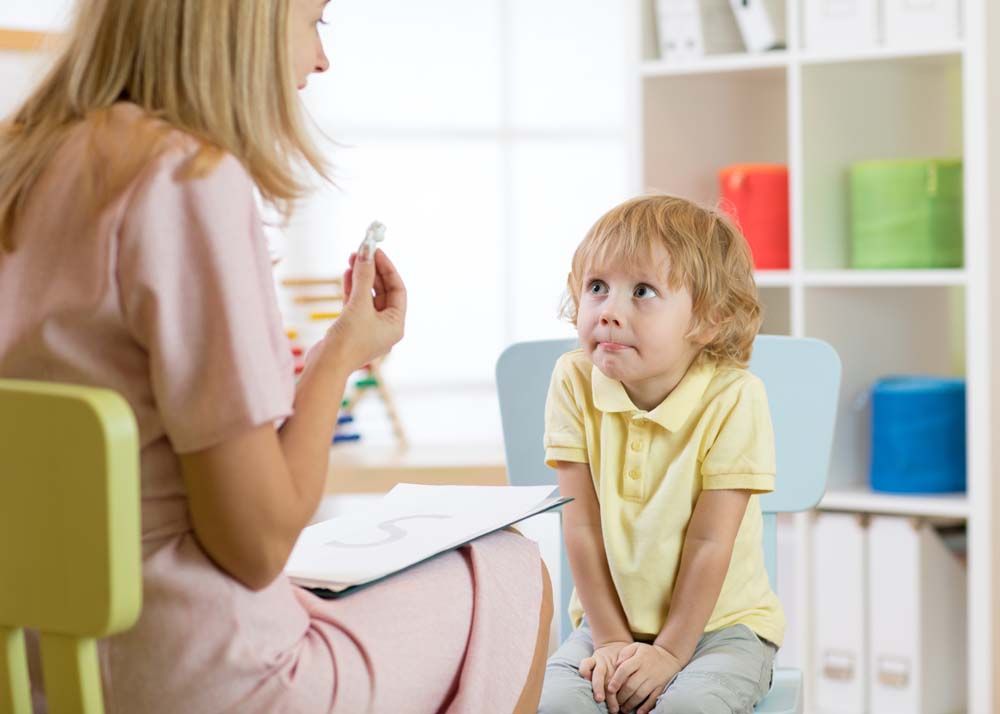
{"x": 729, "y": 673}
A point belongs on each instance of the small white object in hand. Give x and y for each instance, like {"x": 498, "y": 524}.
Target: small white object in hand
{"x": 373, "y": 236}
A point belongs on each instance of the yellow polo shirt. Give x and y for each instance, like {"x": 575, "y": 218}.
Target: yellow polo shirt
{"x": 713, "y": 431}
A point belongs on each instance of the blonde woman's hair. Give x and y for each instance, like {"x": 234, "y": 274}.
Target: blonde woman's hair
{"x": 708, "y": 255}
{"x": 217, "y": 70}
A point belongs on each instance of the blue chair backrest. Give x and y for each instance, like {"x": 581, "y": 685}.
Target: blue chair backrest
{"x": 802, "y": 378}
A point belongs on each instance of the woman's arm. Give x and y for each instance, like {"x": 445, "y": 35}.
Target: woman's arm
{"x": 587, "y": 558}
{"x": 252, "y": 495}
{"x": 708, "y": 549}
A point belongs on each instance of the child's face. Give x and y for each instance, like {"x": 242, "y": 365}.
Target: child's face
{"x": 304, "y": 19}
{"x": 633, "y": 326}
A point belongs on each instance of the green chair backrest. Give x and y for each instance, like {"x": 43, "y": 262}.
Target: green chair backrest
{"x": 70, "y": 559}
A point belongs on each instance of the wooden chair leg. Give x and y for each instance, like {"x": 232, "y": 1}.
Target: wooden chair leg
{"x": 15, "y": 688}
{"x": 72, "y": 661}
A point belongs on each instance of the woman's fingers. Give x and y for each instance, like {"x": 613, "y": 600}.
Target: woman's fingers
{"x": 362, "y": 279}
{"x": 587, "y": 667}
{"x": 349, "y": 277}
{"x": 392, "y": 284}
{"x": 379, "y": 292}
{"x": 376, "y": 285}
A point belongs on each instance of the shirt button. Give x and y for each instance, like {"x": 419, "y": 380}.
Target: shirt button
{"x": 636, "y": 445}
{"x": 634, "y": 474}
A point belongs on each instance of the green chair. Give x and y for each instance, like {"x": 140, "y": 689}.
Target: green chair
{"x": 802, "y": 378}
{"x": 70, "y": 559}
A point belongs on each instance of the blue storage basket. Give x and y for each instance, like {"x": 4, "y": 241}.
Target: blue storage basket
{"x": 918, "y": 435}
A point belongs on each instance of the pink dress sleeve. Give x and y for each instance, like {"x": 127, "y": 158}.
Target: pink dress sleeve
{"x": 198, "y": 294}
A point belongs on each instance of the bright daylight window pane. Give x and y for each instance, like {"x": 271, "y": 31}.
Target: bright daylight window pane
{"x": 405, "y": 64}
{"x": 560, "y": 189}
{"x": 37, "y": 15}
{"x": 19, "y": 73}
{"x": 440, "y": 202}
{"x": 484, "y": 201}
{"x": 568, "y": 64}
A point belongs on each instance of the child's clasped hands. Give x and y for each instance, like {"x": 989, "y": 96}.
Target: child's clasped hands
{"x": 629, "y": 676}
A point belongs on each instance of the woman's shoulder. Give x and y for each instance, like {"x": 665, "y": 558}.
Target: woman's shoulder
{"x": 183, "y": 197}
{"x": 135, "y": 147}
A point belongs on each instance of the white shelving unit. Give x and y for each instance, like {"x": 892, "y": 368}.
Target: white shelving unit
{"x": 818, "y": 113}
{"x": 861, "y": 499}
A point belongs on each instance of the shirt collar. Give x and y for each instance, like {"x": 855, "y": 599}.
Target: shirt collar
{"x": 610, "y": 396}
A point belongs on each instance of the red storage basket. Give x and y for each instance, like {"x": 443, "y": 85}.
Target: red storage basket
{"x": 756, "y": 196}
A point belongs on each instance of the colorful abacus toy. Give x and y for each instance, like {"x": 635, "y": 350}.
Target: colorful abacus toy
{"x": 315, "y": 311}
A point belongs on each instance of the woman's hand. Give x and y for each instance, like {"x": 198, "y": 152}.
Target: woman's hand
{"x": 374, "y": 311}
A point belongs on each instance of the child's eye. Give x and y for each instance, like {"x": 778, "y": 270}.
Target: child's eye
{"x": 644, "y": 292}
{"x": 597, "y": 287}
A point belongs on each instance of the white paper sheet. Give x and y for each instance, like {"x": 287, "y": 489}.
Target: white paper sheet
{"x": 412, "y": 523}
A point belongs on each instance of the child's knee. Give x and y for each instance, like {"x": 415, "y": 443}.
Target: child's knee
{"x": 568, "y": 656}
{"x": 559, "y": 666}
{"x": 699, "y": 700}
{"x": 565, "y": 696}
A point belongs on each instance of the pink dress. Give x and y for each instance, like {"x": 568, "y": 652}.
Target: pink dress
{"x": 166, "y": 297}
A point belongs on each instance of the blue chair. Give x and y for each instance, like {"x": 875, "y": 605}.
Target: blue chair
{"x": 802, "y": 377}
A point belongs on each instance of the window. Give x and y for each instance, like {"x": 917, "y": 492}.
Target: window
{"x": 36, "y": 15}
{"x": 487, "y": 135}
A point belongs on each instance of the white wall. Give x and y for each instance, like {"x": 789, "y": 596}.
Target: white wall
{"x": 19, "y": 71}
{"x": 37, "y": 15}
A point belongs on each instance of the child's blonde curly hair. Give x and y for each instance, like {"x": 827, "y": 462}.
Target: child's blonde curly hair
{"x": 708, "y": 255}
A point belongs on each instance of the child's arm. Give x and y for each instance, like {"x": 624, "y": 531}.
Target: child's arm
{"x": 587, "y": 559}
{"x": 707, "y": 551}
{"x": 708, "y": 548}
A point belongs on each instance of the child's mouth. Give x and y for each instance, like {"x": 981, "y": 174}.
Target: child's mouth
{"x": 613, "y": 346}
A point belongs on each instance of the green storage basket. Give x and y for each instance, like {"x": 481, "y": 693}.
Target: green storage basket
{"x": 906, "y": 214}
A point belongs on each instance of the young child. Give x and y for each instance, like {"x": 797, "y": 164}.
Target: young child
{"x": 663, "y": 439}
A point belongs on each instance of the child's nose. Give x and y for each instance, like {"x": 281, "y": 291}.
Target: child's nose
{"x": 610, "y": 319}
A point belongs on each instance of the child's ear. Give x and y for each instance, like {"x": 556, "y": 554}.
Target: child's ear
{"x": 704, "y": 331}
{"x": 707, "y": 336}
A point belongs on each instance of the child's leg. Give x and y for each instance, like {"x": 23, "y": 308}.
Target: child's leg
{"x": 728, "y": 674}
{"x": 565, "y": 691}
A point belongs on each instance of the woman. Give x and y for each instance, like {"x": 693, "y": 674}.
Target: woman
{"x": 132, "y": 257}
